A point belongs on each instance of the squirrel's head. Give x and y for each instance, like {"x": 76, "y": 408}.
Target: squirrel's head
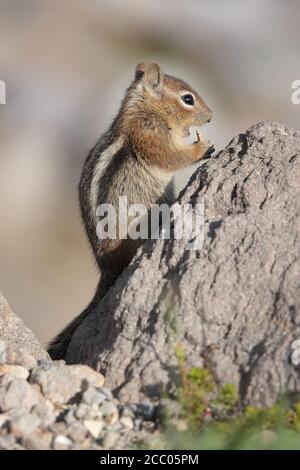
{"x": 176, "y": 102}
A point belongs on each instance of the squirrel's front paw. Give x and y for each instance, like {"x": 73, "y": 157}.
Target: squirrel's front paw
{"x": 210, "y": 150}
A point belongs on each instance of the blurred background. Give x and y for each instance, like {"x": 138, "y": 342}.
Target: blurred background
{"x": 66, "y": 65}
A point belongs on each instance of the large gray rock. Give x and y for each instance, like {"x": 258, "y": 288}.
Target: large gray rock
{"x": 18, "y": 345}
{"x": 235, "y": 304}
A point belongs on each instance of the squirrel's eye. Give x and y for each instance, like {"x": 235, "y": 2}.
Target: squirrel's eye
{"x": 188, "y": 99}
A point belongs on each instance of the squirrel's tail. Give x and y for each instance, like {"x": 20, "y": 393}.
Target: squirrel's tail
{"x": 57, "y": 348}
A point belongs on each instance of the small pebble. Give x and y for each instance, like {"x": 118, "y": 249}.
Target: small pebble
{"x": 107, "y": 393}
{"x": 85, "y": 411}
{"x": 110, "y": 440}
{"x": 128, "y": 411}
{"x": 146, "y": 410}
{"x": 93, "y": 427}
{"x": 23, "y": 423}
{"x": 77, "y": 431}
{"x": 18, "y": 393}
{"x": 114, "y": 427}
{"x": 93, "y": 397}
{"x": 127, "y": 422}
{"x": 4, "y": 418}
{"x": 7, "y": 441}
{"x": 70, "y": 417}
{"x": 14, "y": 371}
{"x": 108, "y": 408}
{"x": 38, "y": 441}
{"x": 61, "y": 442}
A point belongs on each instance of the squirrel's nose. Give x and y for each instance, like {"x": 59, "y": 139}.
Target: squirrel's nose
{"x": 209, "y": 115}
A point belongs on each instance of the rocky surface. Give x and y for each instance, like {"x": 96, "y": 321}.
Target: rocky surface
{"x": 50, "y": 405}
{"x": 18, "y": 345}
{"x": 233, "y": 305}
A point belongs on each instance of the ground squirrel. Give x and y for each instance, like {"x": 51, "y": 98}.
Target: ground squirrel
{"x": 136, "y": 157}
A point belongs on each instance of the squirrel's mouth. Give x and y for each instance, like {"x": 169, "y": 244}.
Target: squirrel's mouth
{"x": 186, "y": 133}
{"x": 192, "y": 136}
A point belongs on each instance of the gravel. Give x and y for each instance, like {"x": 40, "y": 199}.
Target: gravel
{"x": 47, "y": 404}
{"x": 61, "y": 407}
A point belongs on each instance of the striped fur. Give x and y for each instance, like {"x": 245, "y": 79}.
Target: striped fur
{"x": 136, "y": 158}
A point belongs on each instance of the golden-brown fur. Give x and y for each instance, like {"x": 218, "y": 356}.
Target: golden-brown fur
{"x": 136, "y": 158}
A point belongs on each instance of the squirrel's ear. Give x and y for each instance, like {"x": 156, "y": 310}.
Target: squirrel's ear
{"x": 151, "y": 74}
{"x": 140, "y": 70}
